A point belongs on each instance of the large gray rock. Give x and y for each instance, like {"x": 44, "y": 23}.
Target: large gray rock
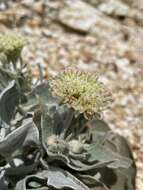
{"x": 83, "y": 17}
{"x": 114, "y": 8}
{"x": 78, "y": 15}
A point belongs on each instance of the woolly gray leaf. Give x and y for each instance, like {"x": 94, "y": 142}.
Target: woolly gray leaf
{"x": 9, "y": 99}
{"x": 25, "y": 135}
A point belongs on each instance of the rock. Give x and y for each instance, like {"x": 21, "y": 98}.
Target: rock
{"x": 137, "y": 16}
{"x": 138, "y": 4}
{"x": 114, "y": 8}
{"x": 82, "y": 17}
{"x": 94, "y": 2}
{"x": 12, "y": 17}
{"x": 78, "y": 16}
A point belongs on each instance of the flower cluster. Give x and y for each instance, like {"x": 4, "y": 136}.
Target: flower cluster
{"x": 11, "y": 45}
{"x": 81, "y": 91}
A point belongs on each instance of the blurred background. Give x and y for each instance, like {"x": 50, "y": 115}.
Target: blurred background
{"x": 99, "y": 36}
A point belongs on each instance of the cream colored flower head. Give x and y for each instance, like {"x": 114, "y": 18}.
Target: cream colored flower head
{"x": 11, "y": 45}
{"x": 81, "y": 91}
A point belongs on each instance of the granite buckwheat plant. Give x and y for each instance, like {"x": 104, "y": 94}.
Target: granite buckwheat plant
{"x": 51, "y": 134}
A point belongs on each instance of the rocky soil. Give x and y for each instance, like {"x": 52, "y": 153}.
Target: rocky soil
{"x": 99, "y": 36}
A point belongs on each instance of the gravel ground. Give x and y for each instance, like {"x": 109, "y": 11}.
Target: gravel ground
{"x": 103, "y": 37}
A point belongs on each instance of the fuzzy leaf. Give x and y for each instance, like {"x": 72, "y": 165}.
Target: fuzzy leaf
{"x": 77, "y": 165}
{"x": 55, "y": 178}
{"x": 9, "y": 99}
{"x": 3, "y": 182}
{"x": 38, "y": 179}
{"x": 60, "y": 179}
{"x": 5, "y": 78}
{"x": 40, "y": 94}
{"x": 102, "y": 154}
{"x": 25, "y": 135}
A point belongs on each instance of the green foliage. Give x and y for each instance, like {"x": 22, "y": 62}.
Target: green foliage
{"x": 46, "y": 145}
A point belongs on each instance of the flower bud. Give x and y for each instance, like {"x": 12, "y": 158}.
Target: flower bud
{"x": 75, "y": 146}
